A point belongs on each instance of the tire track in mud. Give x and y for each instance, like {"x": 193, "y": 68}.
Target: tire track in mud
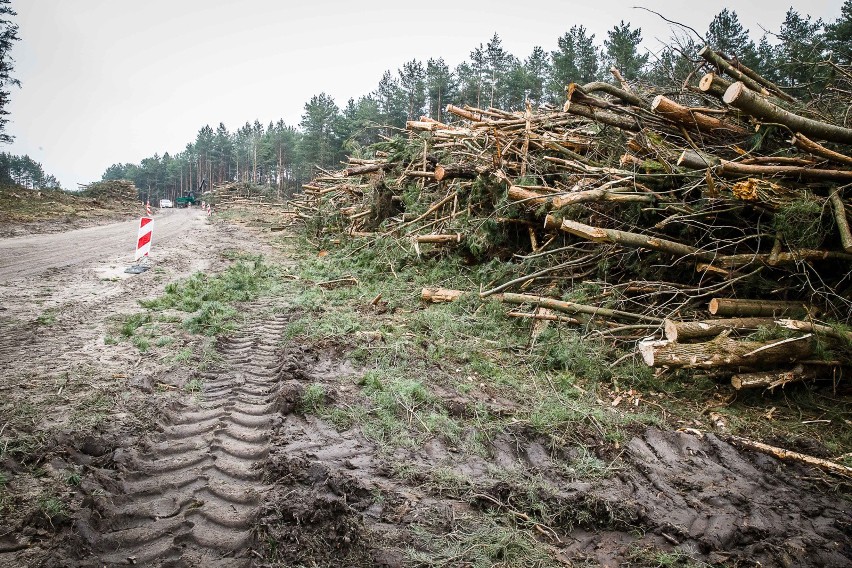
{"x": 190, "y": 493}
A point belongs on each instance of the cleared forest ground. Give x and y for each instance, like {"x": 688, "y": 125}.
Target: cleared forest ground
{"x": 378, "y": 431}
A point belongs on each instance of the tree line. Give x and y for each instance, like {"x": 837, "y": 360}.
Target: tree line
{"x": 284, "y": 156}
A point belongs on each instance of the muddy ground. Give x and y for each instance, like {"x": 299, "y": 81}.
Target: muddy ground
{"x": 182, "y": 449}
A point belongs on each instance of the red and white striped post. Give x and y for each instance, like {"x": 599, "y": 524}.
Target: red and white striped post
{"x": 143, "y": 241}
{"x": 147, "y": 207}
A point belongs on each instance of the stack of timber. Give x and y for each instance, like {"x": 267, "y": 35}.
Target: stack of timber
{"x": 716, "y": 218}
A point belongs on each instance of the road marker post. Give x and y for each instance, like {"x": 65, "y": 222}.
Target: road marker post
{"x": 143, "y": 245}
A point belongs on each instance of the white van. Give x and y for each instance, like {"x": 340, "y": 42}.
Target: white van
{"x": 164, "y": 203}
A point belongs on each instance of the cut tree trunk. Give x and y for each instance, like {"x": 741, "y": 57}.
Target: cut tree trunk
{"x": 453, "y": 171}
{"x": 439, "y": 239}
{"x": 788, "y": 455}
{"x": 440, "y": 295}
{"x": 685, "y": 330}
{"x": 687, "y": 117}
{"x": 572, "y": 307}
{"x": 736, "y": 169}
{"x": 757, "y": 308}
{"x": 724, "y": 352}
{"x": 770, "y": 379}
{"x": 635, "y": 240}
{"x": 802, "y": 142}
{"x": 714, "y": 85}
{"x": 842, "y": 220}
{"x": 696, "y": 160}
{"x": 741, "y": 97}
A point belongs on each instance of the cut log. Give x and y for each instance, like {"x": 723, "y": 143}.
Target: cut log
{"x": 439, "y": 239}
{"x": 724, "y": 352}
{"x": 696, "y": 160}
{"x": 736, "y": 169}
{"x": 603, "y": 116}
{"x": 741, "y": 97}
{"x": 453, "y": 171}
{"x": 714, "y": 85}
{"x": 572, "y": 307}
{"x": 842, "y": 220}
{"x": 687, "y": 117}
{"x": 725, "y": 66}
{"x": 686, "y": 330}
{"x": 802, "y": 142}
{"x": 620, "y": 94}
{"x": 440, "y": 295}
{"x": 757, "y": 308}
{"x": 635, "y": 240}
{"x": 788, "y": 455}
{"x": 771, "y": 379}
{"x": 546, "y": 315}
{"x": 366, "y": 169}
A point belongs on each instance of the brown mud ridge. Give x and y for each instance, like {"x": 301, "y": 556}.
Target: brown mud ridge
{"x": 189, "y": 493}
{"x": 243, "y": 478}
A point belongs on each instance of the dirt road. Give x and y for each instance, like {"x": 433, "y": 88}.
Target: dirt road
{"x": 33, "y": 254}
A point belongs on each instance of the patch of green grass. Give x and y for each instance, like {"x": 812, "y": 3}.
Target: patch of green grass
{"x": 210, "y": 299}
{"x": 182, "y": 356}
{"x": 52, "y": 508}
{"x": 479, "y": 542}
{"x": 110, "y": 340}
{"x": 133, "y": 322}
{"x": 47, "y": 317}
{"x": 313, "y": 399}
{"x": 194, "y": 385}
{"x": 141, "y": 343}
{"x": 72, "y": 477}
{"x": 214, "y": 318}
{"x": 646, "y": 557}
{"x": 164, "y": 340}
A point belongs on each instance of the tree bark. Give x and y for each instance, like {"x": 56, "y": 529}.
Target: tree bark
{"x": 634, "y": 240}
{"x": 788, "y": 455}
{"x": 724, "y": 352}
{"x": 696, "y": 160}
{"x": 841, "y": 220}
{"x": 687, "y": 117}
{"x": 741, "y": 97}
{"x": 770, "y": 379}
{"x": 714, "y": 85}
{"x": 440, "y": 295}
{"x": 802, "y": 142}
{"x": 365, "y": 169}
{"x": 603, "y": 116}
{"x": 757, "y": 308}
{"x": 453, "y": 171}
{"x": 685, "y": 330}
{"x": 736, "y": 169}
{"x": 712, "y": 57}
{"x": 572, "y": 307}
{"x": 439, "y": 239}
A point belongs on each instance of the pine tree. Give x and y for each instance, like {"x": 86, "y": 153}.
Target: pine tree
{"x": 622, "y": 46}
{"x": 320, "y": 145}
{"x": 537, "y": 72}
{"x": 440, "y": 87}
{"x": 802, "y": 46}
{"x": 8, "y": 35}
{"x": 412, "y": 80}
{"x": 392, "y": 102}
{"x": 726, "y": 34}
{"x": 838, "y": 35}
{"x": 576, "y": 61}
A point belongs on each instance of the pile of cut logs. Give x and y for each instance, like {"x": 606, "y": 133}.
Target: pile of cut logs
{"x": 713, "y": 218}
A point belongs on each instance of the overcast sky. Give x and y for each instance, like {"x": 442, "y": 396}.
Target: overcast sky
{"x": 107, "y": 81}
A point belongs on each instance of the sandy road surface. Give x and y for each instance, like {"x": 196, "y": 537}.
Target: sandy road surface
{"x": 33, "y": 254}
